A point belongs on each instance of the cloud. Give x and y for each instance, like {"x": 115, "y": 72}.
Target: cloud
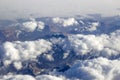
{"x": 93, "y": 26}
{"x": 60, "y": 54}
{"x": 49, "y": 77}
{"x": 41, "y": 25}
{"x": 28, "y": 77}
{"x": 95, "y": 69}
{"x": 104, "y": 45}
{"x": 16, "y": 52}
{"x": 32, "y": 25}
{"x": 17, "y": 77}
{"x": 65, "y": 22}
{"x": 17, "y": 65}
{"x": 54, "y": 8}
{"x": 29, "y": 26}
{"x": 49, "y": 57}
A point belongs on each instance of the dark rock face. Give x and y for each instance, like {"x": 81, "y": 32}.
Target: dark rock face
{"x": 2, "y": 37}
{"x": 8, "y": 34}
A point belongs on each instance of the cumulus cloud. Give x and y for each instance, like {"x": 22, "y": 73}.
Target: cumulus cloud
{"x": 61, "y": 52}
{"x": 28, "y": 77}
{"x": 105, "y": 45}
{"x": 49, "y": 77}
{"x": 41, "y": 25}
{"x": 17, "y": 77}
{"x": 95, "y": 69}
{"x": 33, "y": 25}
{"x": 65, "y": 22}
{"x": 49, "y": 57}
{"x": 16, "y": 52}
{"x": 17, "y": 65}
{"x": 93, "y": 26}
{"x": 29, "y": 26}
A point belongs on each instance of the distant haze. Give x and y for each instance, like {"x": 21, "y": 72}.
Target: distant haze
{"x": 11, "y": 9}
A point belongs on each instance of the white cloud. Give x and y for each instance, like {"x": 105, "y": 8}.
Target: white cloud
{"x": 29, "y": 26}
{"x": 105, "y": 45}
{"x": 49, "y": 77}
{"x": 18, "y": 65}
{"x": 49, "y": 57}
{"x": 28, "y": 77}
{"x": 70, "y": 22}
{"x": 83, "y": 44}
{"x": 59, "y": 41}
{"x": 65, "y": 22}
{"x": 95, "y": 69}
{"x": 17, "y": 77}
{"x": 93, "y": 26}
{"x": 33, "y": 25}
{"x": 17, "y": 51}
{"x": 41, "y": 25}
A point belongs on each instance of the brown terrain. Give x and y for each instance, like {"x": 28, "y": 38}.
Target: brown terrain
{"x": 8, "y": 34}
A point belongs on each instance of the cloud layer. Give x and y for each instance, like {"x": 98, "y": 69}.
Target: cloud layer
{"x": 61, "y": 49}
{"x": 13, "y": 9}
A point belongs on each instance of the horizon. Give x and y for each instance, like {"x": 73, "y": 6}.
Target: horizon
{"x": 13, "y": 9}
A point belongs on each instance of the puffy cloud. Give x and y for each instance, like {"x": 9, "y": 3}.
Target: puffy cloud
{"x": 105, "y": 45}
{"x": 69, "y": 22}
{"x": 32, "y": 25}
{"x": 41, "y": 25}
{"x": 28, "y": 77}
{"x": 65, "y": 22}
{"x": 83, "y": 44}
{"x": 18, "y": 65}
{"x": 60, "y": 51}
{"x": 49, "y": 57}
{"x": 95, "y": 69}
{"x": 17, "y": 51}
{"x": 29, "y": 26}
{"x": 17, "y": 77}
{"x": 49, "y": 77}
{"x": 93, "y": 26}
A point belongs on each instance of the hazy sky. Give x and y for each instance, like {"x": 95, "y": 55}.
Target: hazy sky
{"x": 42, "y": 8}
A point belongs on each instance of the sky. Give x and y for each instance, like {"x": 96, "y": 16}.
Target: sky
{"x": 10, "y": 9}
